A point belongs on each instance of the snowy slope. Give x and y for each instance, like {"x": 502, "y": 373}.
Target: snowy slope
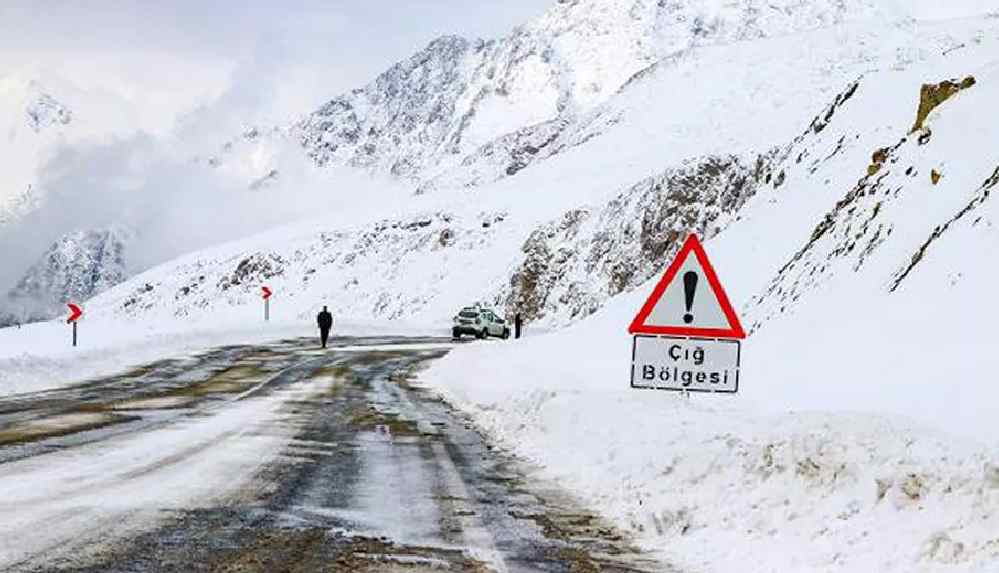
{"x": 602, "y": 197}
{"x": 863, "y": 437}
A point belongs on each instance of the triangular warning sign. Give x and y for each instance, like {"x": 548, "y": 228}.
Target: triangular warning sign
{"x": 689, "y": 300}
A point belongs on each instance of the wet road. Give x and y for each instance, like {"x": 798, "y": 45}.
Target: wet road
{"x": 278, "y": 458}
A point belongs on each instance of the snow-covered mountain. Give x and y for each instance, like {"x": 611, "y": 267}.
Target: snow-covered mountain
{"x": 597, "y": 135}
{"x": 458, "y": 102}
{"x": 466, "y": 112}
{"x": 75, "y": 268}
{"x": 698, "y": 127}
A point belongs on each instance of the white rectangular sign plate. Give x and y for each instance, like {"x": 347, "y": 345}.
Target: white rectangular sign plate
{"x": 685, "y": 364}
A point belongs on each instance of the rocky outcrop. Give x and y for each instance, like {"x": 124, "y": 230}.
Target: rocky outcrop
{"x": 573, "y": 265}
{"x": 932, "y": 95}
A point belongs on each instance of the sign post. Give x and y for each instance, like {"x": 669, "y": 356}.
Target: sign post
{"x": 75, "y": 313}
{"x": 687, "y": 337}
{"x": 267, "y": 302}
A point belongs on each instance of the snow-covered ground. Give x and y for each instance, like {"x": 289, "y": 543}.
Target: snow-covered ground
{"x": 843, "y": 451}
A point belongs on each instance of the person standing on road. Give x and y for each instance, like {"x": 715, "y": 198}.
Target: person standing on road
{"x": 325, "y": 320}
{"x": 517, "y": 324}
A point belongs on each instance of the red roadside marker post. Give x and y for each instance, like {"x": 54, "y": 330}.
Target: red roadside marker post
{"x": 687, "y": 337}
{"x": 266, "y": 293}
{"x": 75, "y": 313}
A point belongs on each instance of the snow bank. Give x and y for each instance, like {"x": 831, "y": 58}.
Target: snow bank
{"x": 739, "y": 483}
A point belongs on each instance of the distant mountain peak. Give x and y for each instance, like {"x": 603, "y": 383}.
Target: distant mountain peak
{"x": 75, "y": 267}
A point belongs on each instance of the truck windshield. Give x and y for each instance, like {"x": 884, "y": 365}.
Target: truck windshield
{"x": 468, "y": 314}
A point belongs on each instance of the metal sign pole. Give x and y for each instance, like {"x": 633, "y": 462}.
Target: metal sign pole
{"x": 267, "y": 309}
{"x": 74, "y": 334}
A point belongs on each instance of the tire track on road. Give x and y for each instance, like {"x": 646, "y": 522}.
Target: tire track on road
{"x": 364, "y": 473}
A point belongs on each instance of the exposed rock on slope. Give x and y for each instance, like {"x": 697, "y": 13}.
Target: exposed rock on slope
{"x": 932, "y": 95}
{"x": 572, "y": 266}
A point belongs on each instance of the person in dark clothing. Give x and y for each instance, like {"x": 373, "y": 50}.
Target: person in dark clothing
{"x": 325, "y": 320}
{"x": 517, "y": 324}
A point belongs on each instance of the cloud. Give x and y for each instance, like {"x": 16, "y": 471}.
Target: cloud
{"x": 171, "y": 204}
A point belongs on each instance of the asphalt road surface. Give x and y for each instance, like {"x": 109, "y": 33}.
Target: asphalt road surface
{"x": 279, "y": 458}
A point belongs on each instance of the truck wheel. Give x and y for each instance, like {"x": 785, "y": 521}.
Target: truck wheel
{"x": 455, "y": 333}
{"x": 506, "y": 333}
{"x": 484, "y": 334}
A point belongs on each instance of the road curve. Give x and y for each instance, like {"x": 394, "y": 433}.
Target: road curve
{"x": 282, "y": 457}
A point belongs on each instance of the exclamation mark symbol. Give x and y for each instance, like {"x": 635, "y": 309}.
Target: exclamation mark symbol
{"x": 689, "y": 288}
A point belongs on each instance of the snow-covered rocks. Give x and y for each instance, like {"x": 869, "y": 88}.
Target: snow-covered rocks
{"x": 573, "y": 265}
{"x": 76, "y": 267}
{"x": 44, "y": 111}
{"x": 390, "y": 269}
{"x": 900, "y": 206}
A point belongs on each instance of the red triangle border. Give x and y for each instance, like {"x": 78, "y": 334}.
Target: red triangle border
{"x": 734, "y": 331}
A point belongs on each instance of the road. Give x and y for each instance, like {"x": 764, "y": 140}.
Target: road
{"x": 277, "y": 458}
